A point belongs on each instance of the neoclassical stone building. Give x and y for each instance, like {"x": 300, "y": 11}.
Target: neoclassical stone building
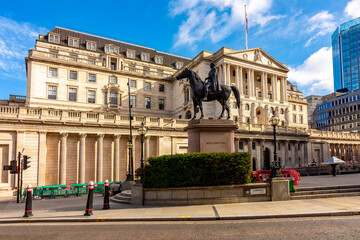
{"x": 75, "y": 123}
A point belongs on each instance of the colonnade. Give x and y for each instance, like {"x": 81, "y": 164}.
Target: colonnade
{"x": 245, "y": 81}
{"x": 345, "y": 151}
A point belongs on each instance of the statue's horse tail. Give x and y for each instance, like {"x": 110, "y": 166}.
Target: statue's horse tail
{"x": 237, "y": 95}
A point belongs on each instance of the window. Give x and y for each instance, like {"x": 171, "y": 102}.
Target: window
{"x": 294, "y": 118}
{"x": 113, "y": 66}
{"x": 146, "y": 70}
{"x": 113, "y": 97}
{"x": 111, "y": 49}
{"x": 73, "y": 75}
{"x": 52, "y": 90}
{"x": 300, "y": 108}
{"x": 113, "y": 79}
{"x": 301, "y": 119}
{"x": 91, "y": 96}
{"x": 92, "y": 77}
{"x": 279, "y": 146}
{"x": 161, "y": 88}
{"x": 145, "y": 57}
{"x": 147, "y": 86}
{"x": 91, "y": 46}
{"x": 246, "y": 106}
{"x": 73, "y": 57}
{"x": 289, "y": 146}
{"x": 132, "y": 83}
{"x": 73, "y": 42}
{"x": 161, "y": 104}
{"x": 72, "y": 94}
{"x": 158, "y": 60}
{"x": 241, "y": 145}
{"x": 92, "y": 61}
{"x": 53, "y": 54}
{"x": 253, "y": 146}
{"x": 132, "y": 101}
{"x": 147, "y": 102}
{"x": 294, "y": 107}
{"x": 247, "y": 120}
{"x": 187, "y": 95}
{"x": 54, "y": 38}
{"x": 234, "y": 105}
{"x": 53, "y": 72}
{"x": 178, "y": 65}
{"x": 132, "y": 68}
{"x": 130, "y": 54}
{"x": 160, "y": 73}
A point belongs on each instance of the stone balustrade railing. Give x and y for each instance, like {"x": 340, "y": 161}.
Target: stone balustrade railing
{"x": 101, "y": 118}
{"x": 333, "y": 134}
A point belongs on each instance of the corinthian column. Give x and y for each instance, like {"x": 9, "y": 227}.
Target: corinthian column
{"x": 82, "y": 158}
{"x": 117, "y": 156}
{"x": 100, "y": 155}
{"x": 63, "y": 158}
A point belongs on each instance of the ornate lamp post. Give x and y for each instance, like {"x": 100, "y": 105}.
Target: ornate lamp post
{"x": 142, "y": 130}
{"x": 275, "y": 167}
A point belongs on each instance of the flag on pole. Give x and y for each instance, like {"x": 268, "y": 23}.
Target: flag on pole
{"x": 246, "y": 28}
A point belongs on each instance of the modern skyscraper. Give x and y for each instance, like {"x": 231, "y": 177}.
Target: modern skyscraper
{"x": 346, "y": 55}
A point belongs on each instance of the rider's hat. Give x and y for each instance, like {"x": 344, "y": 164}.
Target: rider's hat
{"x": 212, "y": 64}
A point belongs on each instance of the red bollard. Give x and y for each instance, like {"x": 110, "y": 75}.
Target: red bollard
{"x": 28, "y": 205}
{"x": 106, "y": 195}
{"x": 89, "y": 203}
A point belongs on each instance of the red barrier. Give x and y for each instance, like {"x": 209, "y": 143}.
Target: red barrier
{"x": 262, "y": 175}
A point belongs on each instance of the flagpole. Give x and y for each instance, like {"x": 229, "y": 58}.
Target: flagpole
{"x": 246, "y": 29}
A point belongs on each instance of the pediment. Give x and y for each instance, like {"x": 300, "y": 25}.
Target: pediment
{"x": 259, "y": 56}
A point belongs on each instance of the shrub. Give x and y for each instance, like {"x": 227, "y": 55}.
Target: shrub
{"x": 197, "y": 169}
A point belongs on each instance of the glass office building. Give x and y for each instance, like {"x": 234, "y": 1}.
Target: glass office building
{"x": 346, "y": 55}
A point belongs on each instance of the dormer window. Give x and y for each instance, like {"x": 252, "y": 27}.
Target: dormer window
{"x": 158, "y": 60}
{"x": 178, "y": 65}
{"x": 73, "y": 42}
{"x": 111, "y": 49}
{"x": 91, "y": 46}
{"x": 130, "y": 54}
{"x": 54, "y": 38}
{"x": 145, "y": 57}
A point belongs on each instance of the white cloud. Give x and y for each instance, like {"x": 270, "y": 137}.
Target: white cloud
{"x": 315, "y": 75}
{"x": 321, "y": 23}
{"x": 352, "y": 9}
{"x": 15, "y": 41}
{"x": 217, "y": 19}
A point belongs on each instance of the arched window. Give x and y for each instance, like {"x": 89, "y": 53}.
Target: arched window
{"x": 188, "y": 115}
{"x": 246, "y": 106}
{"x": 113, "y": 97}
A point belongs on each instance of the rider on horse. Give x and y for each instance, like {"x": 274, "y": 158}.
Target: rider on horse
{"x": 213, "y": 79}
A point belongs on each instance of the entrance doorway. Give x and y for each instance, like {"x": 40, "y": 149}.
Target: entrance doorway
{"x": 266, "y": 154}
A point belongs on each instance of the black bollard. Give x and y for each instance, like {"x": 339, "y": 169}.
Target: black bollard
{"x": 89, "y": 203}
{"x": 106, "y": 195}
{"x": 333, "y": 169}
{"x": 28, "y": 204}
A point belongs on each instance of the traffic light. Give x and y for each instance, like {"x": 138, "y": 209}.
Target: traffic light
{"x": 12, "y": 167}
{"x": 26, "y": 162}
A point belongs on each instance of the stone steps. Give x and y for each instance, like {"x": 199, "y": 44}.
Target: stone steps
{"x": 325, "y": 192}
{"x": 123, "y": 197}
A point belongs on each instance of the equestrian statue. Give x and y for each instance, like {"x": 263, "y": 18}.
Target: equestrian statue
{"x": 208, "y": 91}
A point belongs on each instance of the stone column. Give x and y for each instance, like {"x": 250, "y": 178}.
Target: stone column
{"x": 261, "y": 158}
{"x": 236, "y": 142}
{"x": 63, "y": 148}
{"x": 239, "y": 80}
{"x": 224, "y": 73}
{"x": 287, "y": 153}
{"x": 262, "y": 85}
{"x": 82, "y": 158}
{"x": 250, "y": 142}
{"x": 228, "y": 74}
{"x": 147, "y": 147}
{"x": 308, "y": 152}
{"x": 100, "y": 155}
{"x": 266, "y": 86}
{"x": 42, "y": 158}
{"x": 253, "y": 83}
{"x": 273, "y": 87}
{"x": 303, "y": 152}
{"x": 117, "y": 156}
{"x": 248, "y": 82}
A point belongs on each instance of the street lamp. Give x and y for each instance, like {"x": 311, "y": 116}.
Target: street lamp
{"x": 130, "y": 175}
{"x": 275, "y": 167}
{"x": 142, "y": 131}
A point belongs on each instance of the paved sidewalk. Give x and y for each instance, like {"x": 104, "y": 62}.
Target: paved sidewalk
{"x": 329, "y": 180}
{"x": 72, "y": 210}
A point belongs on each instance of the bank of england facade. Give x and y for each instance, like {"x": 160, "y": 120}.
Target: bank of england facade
{"x": 75, "y": 123}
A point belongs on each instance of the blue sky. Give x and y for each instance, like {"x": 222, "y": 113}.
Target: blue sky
{"x": 296, "y": 32}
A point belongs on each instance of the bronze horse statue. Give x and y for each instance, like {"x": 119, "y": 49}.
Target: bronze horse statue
{"x": 200, "y": 93}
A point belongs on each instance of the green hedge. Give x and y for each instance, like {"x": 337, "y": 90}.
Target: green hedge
{"x": 197, "y": 169}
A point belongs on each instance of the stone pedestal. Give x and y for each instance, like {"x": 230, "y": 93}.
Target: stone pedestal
{"x": 208, "y": 135}
{"x": 137, "y": 194}
{"x": 280, "y": 189}
{"x": 126, "y": 185}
